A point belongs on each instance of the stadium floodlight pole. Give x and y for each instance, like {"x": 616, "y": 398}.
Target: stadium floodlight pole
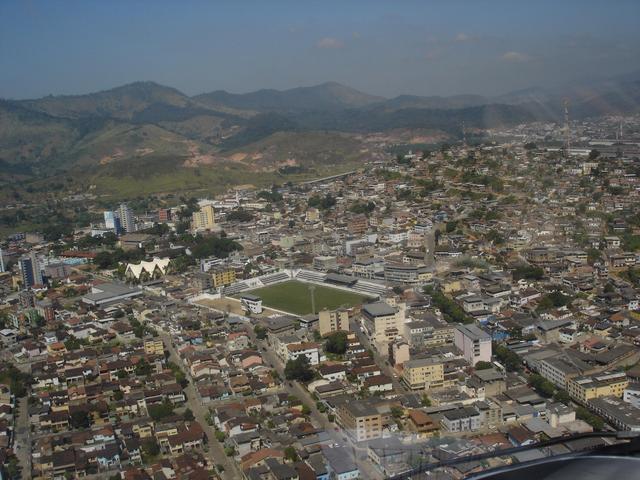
{"x": 312, "y": 289}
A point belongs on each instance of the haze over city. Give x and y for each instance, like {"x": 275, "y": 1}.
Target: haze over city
{"x": 382, "y": 48}
{"x": 332, "y": 240}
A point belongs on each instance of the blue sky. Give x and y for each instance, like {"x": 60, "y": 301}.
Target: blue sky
{"x": 381, "y": 47}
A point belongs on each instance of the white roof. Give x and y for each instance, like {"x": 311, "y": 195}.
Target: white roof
{"x": 137, "y": 269}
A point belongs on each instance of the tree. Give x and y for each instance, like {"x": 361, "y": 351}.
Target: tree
{"x": 298, "y": 369}
{"x": 239, "y": 215}
{"x": 260, "y": 331}
{"x": 160, "y": 410}
{"x": 118, "y": 395}
{"x": 150, "y": 447}
{"x": 562, "y": 396}
{"x": 543, "y": 386}
{"x": 336, "y": 343}
{"x": 220, "y": 436}
{"x": 80, "y": 419}
{"x": 291, "y": 454}
{"x": 188, "y": 415}
{"x": 426, "y": 401}
{"x": 481, "y": 365}
{"x": 528, "y": 272}
{"x": 596, "y": 422}
{"x": 508, "y": 358}
{"x": 322, "y": 203}
{"x": 13, "y": 469}
{"x": 397, "y": 412}
{"x": 553, "y": 300}
{"x": 143, "y": 368}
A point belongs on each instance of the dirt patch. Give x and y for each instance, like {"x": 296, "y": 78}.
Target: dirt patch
{"x": 118, "y": 153}
{"x": 231, "y": 305}
{"x": 238, "y": 157}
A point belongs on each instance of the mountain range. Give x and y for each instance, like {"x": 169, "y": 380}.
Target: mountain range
{"x": 144, "y": 122}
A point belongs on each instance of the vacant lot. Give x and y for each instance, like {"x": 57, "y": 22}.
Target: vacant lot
{"x": 294, "y": 297}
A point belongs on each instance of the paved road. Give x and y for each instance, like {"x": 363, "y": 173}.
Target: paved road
{"x": 381, "y": 361}
{"x": 215, "y": 451}
{"x": 22, "y": 445}
{"x": 359, "y": 453}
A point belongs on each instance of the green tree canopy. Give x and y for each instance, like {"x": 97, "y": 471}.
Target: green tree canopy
{"x": 298, "y": 369}
{"x": 336, "y": 343}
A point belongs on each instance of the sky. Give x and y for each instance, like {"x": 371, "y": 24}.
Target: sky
{"x": 383, "y": 48}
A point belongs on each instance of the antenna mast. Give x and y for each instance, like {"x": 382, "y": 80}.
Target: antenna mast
{"x": 464, "y": 136}
{"x": 567, "y": 128}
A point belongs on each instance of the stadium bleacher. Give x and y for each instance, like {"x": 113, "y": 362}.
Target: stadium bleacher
{"x": 236, "y": 288}
{"x": 274, "y": 278}
{"x": 310, "y": 276}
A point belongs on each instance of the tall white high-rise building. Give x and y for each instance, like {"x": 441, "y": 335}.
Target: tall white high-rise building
{"x": 126, "y": 218}
{"x": 110, "y": 220}
{"x": 204, "y": 219}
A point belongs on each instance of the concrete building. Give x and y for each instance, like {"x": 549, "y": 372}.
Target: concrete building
{"x": 559, "y": 413}
{"x": 360, "y": 420}
{"x": 401, "y": 273}
{"x": 422, "y": 333}
{"x": 632, "y": 394}
{"x": 109, "y": 293}
{"x": 474, "y": 343}
{"x": 324, "y": 263}
{"x": 223, "y": 276}
{"x": 489, "y": 382}
{"x": 382, "y": 322}
{"x": 153, "y": 347}
{"x": 461, "y": 419}
{"x": 557, "y": 370}
{"x": 368, "y": 268}
{"x": 30, "y": 270}
{"x": 110, "y": 220}
{"x": 330, "y": 321}
{"x": 251, "y": 303}
{"x": 621, "y": 415}
{"x": 127, "y": 223}
{"x": 585, "y": 388}
{"x": 311, "y": 350}
{"x": 203, "y": 219}
{"x": 423, "y": 373}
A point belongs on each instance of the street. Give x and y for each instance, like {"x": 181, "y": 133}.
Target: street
{"x": 22, "y": 445}
{"x": 296, "y": 389}
{"x": 215, "y": 451}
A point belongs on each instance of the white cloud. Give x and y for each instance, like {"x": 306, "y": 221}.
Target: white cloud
{"x": 462, "y": 37}
{"x": 433, "y": 54}
{"x": 329, "y": 42}
{"x": 515, "y": 57}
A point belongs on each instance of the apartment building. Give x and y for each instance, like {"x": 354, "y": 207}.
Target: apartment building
{"x": 223, "y": 276}
{"x": 360, "y": 419}
{"x": 461, "y": 419}
{"x": 153, "y": 347}
{"x": 203, "y": 219}
{"x": 382, "y": 321}
{"x": 558, "y": 371}
{"x": 309, "y": 349}
{"x": 423, "y": 373}
{"x": 584, "y": 388}
{"x": 474, "y": 343}
{"x": 330, "y": 321}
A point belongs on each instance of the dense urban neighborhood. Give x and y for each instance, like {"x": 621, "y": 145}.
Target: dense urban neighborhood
{"x": 478, "y": 300}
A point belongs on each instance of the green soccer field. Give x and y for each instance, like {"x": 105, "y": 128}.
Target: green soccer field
{"x": 294, "y": 297}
